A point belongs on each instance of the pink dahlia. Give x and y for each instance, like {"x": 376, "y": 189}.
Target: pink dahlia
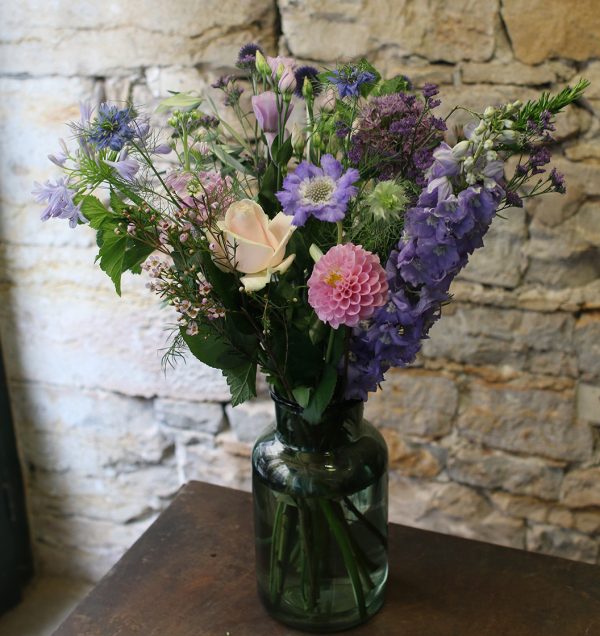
{"x": 347, "y": 285}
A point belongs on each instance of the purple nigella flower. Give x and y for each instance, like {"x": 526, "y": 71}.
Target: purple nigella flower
{"x": 59, "y": 198}
{"x": 112, "y": 127}
{"x": 127, "y": 168}
{"x": 309, "y": 73}
{"x": 247, "y": 56}
{"x": 349, "y": 79}
{"x": 320, "y": 192}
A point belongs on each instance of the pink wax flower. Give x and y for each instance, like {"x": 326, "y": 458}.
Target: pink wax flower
{"x": 265, "y": 110}
{"x": 347, "y": 284}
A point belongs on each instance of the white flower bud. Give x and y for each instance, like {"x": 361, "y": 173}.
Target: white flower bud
{"x": 489, "y": 112}
{"x": 469, "y": 163}
{"x": 480, "y": 127}
{"x": 507, "y": 123}
{"x": 488, "y": 144}
{"x": 461, "y": 149}
{"x": 491, "y": 155}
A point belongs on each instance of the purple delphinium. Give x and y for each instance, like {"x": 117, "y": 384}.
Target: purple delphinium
{"x": 322, "y": 192}
{"x": 440, "y": 233}
{"x": 349, "y": 79}
{"x": 112, "y": 127}
{"x": 59, "y": 199}
{"x": 396, "y": 137}
{"x": 247, "y": 56}
{"x": 311, "y": 74}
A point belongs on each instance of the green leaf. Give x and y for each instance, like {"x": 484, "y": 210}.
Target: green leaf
{"x": 228, "y": 160}
{"x": 242, "y": 382}
{"x": 390, "y": 86}
{"x": 214, "y": 350}
{"x": 112, "y": 256}
{"x": 302, "y": 395}
{"x": 179, "y": 100}
{"x": 322, "y": 395}
{"x": 268, "y": 187}
{"x": 135, "y": 254}
{"x": 97, "y": 213}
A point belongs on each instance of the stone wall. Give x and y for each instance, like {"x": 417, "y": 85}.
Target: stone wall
{"x": 493, "y": 434}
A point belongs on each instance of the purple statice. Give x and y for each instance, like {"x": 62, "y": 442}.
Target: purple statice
{"x": 440, "y": 232}
{"x": 59, "y": 199}
{"x": 112, "y": 128}
{"x": 557, "y": 179}
{"x": 247, "y": 56}
{"x": 513, "y": 199}
{"x": 322, "y": 192}
{"x": 396, "y": 136}
{"x": 309, "y": 73}
{"x": 539, "y": 157}
{"x": 349, "y": 79}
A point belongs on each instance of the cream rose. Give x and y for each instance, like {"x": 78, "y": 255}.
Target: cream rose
{"x": 252, "y": 244}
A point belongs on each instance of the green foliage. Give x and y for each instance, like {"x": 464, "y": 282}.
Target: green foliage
{"x": 186, "y": 101}
{"x": 118, "y": 252}
{"x": 321, "y": 396}
{"x": 396, "y": 84}
{"x": 236, "y": 360}
{"x": 532, "y": 110}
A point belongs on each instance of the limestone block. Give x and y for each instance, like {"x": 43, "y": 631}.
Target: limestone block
{"x": 410, "y": 459}
{"x": 32, "y": 119}
{"x": 527, "y": 421}
{"x": 119, "y": 497}
{"x": 587, "y": 521}
{"x": 501, "y": 262}
{"x": 514, "y": 73}
{"x": 581, "y": 488}
{"x": 85, "y": 39}
{"x": 588, "y": 402}
{"x": 520, "y": 506}
{"x": 83, "y": 548}
{"x": 587, "y": 345}
{"x": 204, "y": 417}
{"x": 336, "y": 29}
{"x": 414, "y": 403}
{"x": 86, "y": 432}
{"x": 110, "y": 342}
{"x": 485, "y": 468}
{"x": 561, "y": 542}
{"x": 459, "y": 510}
{"x": 475, "y": 334}
{"x": 544, "y": 29}
{"x": 250, "y": 419}
{"x": 216, "y": 466}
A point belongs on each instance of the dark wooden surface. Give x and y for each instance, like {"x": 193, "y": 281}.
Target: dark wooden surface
{"x": 192, "y": 574}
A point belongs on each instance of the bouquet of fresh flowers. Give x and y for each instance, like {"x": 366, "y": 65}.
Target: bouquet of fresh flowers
{"x": 312, "y": 231}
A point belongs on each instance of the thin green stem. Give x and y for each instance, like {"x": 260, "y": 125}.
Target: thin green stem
{"x": 340, "y": 534}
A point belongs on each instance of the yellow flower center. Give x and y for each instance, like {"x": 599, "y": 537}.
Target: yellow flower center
{"x": 332, "y": 278}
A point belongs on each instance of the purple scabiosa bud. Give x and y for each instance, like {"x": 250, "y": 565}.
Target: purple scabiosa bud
{"x": 247, "y": 56}
{"x": 311, "y": 74}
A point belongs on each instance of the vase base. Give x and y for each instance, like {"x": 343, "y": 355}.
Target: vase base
{"x": 321, "y": 621}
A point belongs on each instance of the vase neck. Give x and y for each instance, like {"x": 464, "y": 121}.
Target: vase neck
{"x": 340, "y": 421}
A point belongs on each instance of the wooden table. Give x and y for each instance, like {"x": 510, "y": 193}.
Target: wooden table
{"x": 192, "y": 574}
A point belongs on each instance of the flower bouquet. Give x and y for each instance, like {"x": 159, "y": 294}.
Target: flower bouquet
{"x": 310, "y": 232}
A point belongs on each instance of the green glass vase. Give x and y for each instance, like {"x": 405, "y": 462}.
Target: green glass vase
{"x": 320, "y": 515}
